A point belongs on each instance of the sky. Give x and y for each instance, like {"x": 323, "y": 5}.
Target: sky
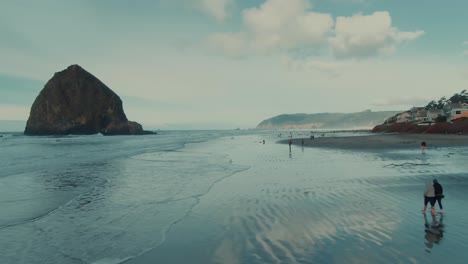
{"x": 224, "y": 64}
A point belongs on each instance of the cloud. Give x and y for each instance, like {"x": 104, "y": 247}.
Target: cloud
{"x": 216, "y": 8}
{"x": 276, "y": 25}
{"x": 285, "y": 26}
{"x": 365, "y": 36}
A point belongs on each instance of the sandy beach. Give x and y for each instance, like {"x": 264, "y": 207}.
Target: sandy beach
{"x": 227, "y": 197}
{"x": 315, "y": 205}
{"x": 393, "y": 141}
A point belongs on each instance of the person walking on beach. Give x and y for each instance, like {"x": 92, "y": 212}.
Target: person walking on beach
{"x": 429, "y": 197}
{"x": 438, "y": 191}
{"x": 423, "y": 146}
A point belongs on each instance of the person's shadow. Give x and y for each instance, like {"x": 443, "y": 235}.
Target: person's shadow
{"x": 434, "y": 232}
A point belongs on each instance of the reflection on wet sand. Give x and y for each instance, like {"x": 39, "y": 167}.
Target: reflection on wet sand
{"x": 434, "y": 232}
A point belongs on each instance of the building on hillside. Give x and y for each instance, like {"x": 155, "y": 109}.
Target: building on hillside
{"x": 433, "y": 114}
{"x": 420, "y": 114}
{"x": 456, "y": 110}
{"x": 404, "y": 117}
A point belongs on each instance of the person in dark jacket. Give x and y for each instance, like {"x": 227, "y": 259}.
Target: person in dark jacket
{"x": 438, "y": 191}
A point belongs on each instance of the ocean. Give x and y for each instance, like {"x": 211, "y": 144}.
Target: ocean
{"x": 225, "y": 197}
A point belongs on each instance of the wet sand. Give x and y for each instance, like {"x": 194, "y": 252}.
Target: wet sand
{"x": 393, "y": 141}
{"x": 314, "y": 205}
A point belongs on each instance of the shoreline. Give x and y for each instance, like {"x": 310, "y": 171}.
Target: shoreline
{"x": 386, "y": 141}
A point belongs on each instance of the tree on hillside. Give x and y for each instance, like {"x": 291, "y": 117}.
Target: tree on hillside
{"x": 442, "y": 103}
{"x": 441, "y": 119}
{"x": 432, "y": 105}
{"x": 462, "y": 97}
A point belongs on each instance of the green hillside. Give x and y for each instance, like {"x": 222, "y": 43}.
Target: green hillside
{"x": 365, "y": 119}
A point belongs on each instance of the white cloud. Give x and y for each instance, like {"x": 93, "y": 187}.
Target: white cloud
{"x": 279, "y": 26}
{"x": 216, "y": 8}
{"x": 366, "y": 36}
{"x": 276, "y": 25}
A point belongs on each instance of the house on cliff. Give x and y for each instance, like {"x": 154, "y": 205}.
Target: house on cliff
{"x": 456, "y": 110}
{"x": 434, "y": 113}
{"x": 419, "y": 114}
{"x": 404, "y": 117}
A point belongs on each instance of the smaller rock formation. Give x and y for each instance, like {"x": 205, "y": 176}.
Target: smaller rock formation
{"x": 76, "y": 102}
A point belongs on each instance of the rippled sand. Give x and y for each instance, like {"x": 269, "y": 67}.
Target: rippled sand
{"x": 231, "y": 199}
{"x": 312, "y": 205}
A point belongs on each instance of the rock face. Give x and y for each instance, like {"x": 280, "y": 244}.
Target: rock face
{"x": 76, "y": 102}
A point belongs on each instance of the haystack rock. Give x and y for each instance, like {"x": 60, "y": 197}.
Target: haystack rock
{"x": 76, "y": 102}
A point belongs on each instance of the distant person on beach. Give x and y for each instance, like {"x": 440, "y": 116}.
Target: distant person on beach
{"x": 423, "y": 146}
{"x": 290, "y": 142}
{"x": 438, "y": 191}
{"x": 302, "y": 142}
{"x": 429, "y": 197}
{"x": 263, "y": 142}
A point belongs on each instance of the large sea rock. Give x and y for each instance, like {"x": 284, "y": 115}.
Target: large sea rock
{"x": 76, "y": 102}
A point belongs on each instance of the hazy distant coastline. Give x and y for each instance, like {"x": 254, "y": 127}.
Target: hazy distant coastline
{"x": 360, "y": 120}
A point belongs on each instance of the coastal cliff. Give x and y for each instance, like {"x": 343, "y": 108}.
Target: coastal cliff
{"x": 445, "y": 116}
{"x": 76, "y": 102}
{"x": 456, "y": 127}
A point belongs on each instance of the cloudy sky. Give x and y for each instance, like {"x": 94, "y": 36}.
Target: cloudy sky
{"x": 234, "y": 63}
